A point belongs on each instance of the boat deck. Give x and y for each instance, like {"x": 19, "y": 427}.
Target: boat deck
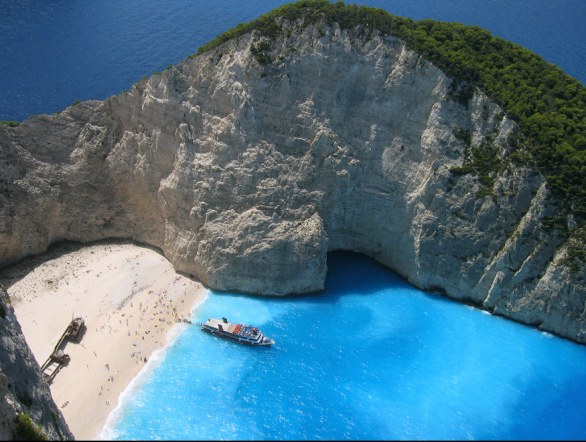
{"x": 237, "y": 329}
{"x": 240, "y": 332}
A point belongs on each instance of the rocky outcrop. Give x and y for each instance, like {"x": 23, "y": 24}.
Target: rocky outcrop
{"x": 245, "y": 170}
{"x": 26, "y": 406}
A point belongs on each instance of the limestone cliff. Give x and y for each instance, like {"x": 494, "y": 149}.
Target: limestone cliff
{"x": 247, "y": 164}
{"x": 27, "y": 409}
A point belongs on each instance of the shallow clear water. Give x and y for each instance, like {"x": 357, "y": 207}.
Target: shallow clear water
{"x": 53, "y": 53}
{"x": 371, "y": 358}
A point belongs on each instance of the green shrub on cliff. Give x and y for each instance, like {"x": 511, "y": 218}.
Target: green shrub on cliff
{"x": 549, "y": 105}
{"x": 10, "y": 123}
{"x": 26, "y": 429}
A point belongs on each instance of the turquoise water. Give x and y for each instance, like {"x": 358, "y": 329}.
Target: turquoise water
{"x": 371, "y": 358}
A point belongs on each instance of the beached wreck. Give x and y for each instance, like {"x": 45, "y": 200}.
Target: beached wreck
{"x": 75, "y": 328}
{"x": 58, "y": 358}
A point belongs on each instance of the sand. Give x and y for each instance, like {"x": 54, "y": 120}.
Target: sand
{"x": 132, "y": 302}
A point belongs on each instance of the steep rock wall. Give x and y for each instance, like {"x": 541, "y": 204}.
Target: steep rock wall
{"x": 247, "y": 172}
{"x": 22, "y": 390}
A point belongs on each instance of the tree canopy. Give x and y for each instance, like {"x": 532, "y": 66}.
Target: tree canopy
{"x": 548, "y": 104}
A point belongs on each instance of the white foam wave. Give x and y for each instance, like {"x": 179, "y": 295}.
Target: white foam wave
{"x": 205, "y": 296}
{"x": 156, "y": 359}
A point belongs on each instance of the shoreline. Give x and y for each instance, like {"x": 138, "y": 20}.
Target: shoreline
{"x": 133, "y": 303}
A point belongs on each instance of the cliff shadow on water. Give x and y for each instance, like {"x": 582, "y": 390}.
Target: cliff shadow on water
{"x": 349, "y": 273}
{"x": 354, "y": 273}
{"x": 317, "y": 127}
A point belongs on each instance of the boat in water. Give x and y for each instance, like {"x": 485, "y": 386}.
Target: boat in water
{"x": 244, "y": 334}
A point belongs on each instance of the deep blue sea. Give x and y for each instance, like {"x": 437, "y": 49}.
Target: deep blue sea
{"x": 53, "y": 53}
{"x": 371, "y": 357}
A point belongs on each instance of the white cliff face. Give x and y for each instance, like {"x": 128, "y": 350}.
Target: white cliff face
{"x": 247, "y": 174}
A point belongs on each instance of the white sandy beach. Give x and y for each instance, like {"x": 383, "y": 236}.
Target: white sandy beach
{"x": 130, "y": 298}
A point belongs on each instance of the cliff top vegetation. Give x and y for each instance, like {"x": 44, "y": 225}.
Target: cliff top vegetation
{"x": 548, "y": 104}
